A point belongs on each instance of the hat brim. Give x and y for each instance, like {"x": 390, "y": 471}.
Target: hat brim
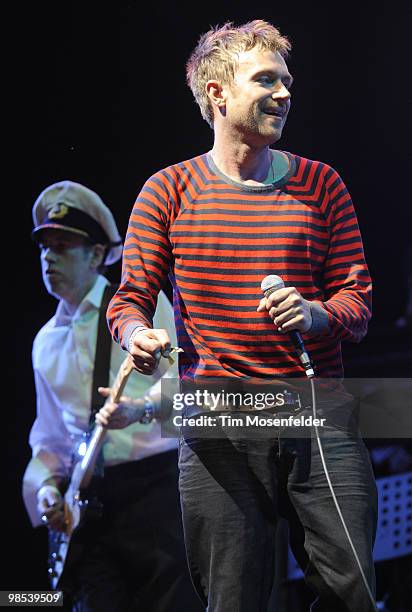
{"x": 113, "y": 255}
{"x": 58, "y": 226}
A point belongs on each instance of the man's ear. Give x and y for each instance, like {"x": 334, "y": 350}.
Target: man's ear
{"x": 216, "y": 93}
{"x": 98, "y": 256}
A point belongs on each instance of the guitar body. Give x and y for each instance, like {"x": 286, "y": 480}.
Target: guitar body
{"x": 59, "y": 544}
{"x": 65, "y": 548}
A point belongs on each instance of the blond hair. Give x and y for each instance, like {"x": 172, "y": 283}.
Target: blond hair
{"x": 214, "y": 56}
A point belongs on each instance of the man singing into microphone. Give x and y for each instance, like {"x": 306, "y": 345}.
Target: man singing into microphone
{"x": 218, "y": 224}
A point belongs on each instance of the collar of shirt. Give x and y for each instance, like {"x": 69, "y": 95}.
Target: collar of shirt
{"x": 90, "y": 301}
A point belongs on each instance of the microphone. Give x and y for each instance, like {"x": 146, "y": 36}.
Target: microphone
{"x": 270, "y": 284}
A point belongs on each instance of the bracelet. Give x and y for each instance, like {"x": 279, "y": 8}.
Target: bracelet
{"x": 148, "y": 413}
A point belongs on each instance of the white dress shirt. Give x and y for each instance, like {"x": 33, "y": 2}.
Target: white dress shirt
{"x": 63, "y": 362}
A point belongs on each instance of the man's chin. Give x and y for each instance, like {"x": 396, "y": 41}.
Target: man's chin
{"x": 272, "y": 136}
{"x": 54, "y": 287}
{"x": 276, "y": 137}
{"x": 271, "y": 132}
{"x": 264, "y": 135}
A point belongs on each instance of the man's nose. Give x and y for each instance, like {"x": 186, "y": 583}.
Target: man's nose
{"x": 47, "y": 254}
{"x": 281, "y": 93}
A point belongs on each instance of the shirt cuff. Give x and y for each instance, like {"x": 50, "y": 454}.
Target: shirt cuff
{"x": 125, "y": 340}
{"x": 320, "y": 319}
{"x": 131, "y": 330}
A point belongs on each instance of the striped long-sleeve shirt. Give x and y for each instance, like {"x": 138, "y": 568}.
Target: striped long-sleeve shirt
{"x": 217, "y": 239}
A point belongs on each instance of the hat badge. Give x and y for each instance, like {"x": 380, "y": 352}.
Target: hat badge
{"x": 58, "y": 211}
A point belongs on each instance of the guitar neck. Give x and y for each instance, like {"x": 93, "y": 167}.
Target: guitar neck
{"x": 84, "y": 469}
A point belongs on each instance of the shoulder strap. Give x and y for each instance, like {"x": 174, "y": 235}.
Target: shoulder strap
{"x": 102, "y": 357}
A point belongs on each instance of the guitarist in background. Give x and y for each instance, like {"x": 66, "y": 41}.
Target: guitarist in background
{"x": 132, "y": 557}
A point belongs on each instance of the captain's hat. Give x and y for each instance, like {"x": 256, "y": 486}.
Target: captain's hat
{"x": 74, "y": 208}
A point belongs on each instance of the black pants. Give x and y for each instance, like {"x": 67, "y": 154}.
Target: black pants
{"x": 133, "y": 558}
{"x": 232, "y": 490}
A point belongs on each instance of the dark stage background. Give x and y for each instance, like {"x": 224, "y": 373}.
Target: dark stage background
{"x": 105, "y": 103}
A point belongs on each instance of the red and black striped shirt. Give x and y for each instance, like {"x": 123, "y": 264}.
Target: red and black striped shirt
{"x": 218, "y": 239}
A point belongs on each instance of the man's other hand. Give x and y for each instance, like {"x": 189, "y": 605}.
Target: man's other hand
{"x": 119, "y": 415}
{"x": 288, "y": 310}
{"x": 50, "y": 506}
{"x": 146, "y": 348}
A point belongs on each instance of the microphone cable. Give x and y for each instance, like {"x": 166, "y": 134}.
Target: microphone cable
{"x": 338, "y": 509}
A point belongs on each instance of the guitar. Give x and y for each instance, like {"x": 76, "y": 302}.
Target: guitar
{"x": 62, "y": 548}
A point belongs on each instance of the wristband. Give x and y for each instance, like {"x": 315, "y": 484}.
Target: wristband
{"x": 134, "y": 333}
{"x": 148, "y": 414}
